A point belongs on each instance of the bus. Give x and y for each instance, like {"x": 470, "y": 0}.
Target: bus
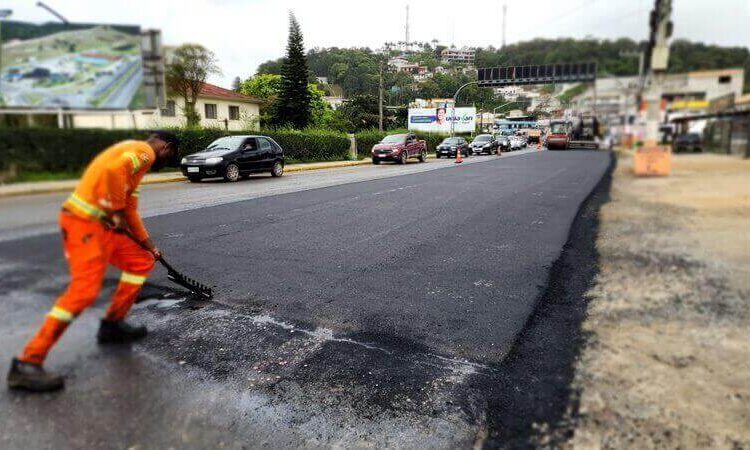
{"x": 512, "y": 125}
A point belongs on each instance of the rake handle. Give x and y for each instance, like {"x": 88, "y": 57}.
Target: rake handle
{"x": 163, "y": 262}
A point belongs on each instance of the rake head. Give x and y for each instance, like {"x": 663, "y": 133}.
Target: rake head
{"x": 197, "y": 288}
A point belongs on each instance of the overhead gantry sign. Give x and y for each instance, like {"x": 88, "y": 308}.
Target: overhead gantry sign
{"x": 538, "y": 74}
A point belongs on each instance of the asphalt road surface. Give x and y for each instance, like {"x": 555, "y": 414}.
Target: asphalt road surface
{"x": 353, "y": 307}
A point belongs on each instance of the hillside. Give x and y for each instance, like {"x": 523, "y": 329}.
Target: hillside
{"x": 355, "y": 69}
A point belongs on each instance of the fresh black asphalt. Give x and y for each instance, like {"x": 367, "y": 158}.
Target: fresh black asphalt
{"x": 364, "y": 306}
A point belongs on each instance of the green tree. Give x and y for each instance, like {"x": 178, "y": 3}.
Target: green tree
{"x": 361, "y": 111}
{"x": 272, "y": 67}
{"x": 236, "y": 84}
{"x": 266, "y": 88}
{"x": 187, "y": 73}
{"x": 293, "y": 103}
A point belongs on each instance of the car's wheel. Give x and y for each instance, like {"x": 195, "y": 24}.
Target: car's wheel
{"x": 423, "y": 156}
{"x": 278, "y": 169}
{"x": 232, "y": 172}
{"x": 404, "y": 156}
{"x": 437, "y": 155}
{"x": 194, "y": 179}
{"x": 375, "y": 161}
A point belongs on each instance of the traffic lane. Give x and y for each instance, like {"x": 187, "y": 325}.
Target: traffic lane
{"x": 33, "y": 215}
{"x": 454, "y": 259}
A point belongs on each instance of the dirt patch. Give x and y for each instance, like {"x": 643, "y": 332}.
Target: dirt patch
{"x": 667, "y": 363}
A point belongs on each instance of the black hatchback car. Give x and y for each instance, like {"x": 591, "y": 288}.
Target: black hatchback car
{"x": 232, "y": 157}
{"x": 451, "y": 146}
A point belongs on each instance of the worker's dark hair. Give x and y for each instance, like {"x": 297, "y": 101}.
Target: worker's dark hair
{"x": 168, "y": 137}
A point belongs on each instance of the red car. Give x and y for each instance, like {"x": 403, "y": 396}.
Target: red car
{"x": 399, "y": 148}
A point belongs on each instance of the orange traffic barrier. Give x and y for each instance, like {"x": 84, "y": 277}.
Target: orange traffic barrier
{"x": 653, "y": 161}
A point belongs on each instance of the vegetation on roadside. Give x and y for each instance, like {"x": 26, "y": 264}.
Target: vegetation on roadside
{"x": 292, "y": 107}
{"x": 41, "y": 153}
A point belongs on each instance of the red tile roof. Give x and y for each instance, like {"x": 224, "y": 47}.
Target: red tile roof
{"x": 213, "y": 91}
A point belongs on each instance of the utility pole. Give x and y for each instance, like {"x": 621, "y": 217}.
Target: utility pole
{"x": 654, "y": 159}
{"x": 380, "y": 94}
{"x": 406, "y": 29}
{"x": 658, "y": 52}
{"x": 505, "y": 11}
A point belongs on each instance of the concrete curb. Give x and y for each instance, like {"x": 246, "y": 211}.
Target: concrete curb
{"x": 68, "y": 185}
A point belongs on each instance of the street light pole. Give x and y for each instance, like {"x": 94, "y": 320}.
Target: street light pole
{"x": 455, "y": 98}
{"x": 53, "y": 12}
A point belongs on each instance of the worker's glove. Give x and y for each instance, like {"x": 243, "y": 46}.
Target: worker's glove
{"x": 149, "y": 245}
{"x": 115, "y": 221}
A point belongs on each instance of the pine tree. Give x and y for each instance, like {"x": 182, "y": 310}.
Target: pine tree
{"x": 236, "y": 84}
{"x": 293, "y": 104}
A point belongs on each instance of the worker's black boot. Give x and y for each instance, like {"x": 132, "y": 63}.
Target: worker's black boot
{"x": 32, "y": 377}
{"x": 119, "y": 332}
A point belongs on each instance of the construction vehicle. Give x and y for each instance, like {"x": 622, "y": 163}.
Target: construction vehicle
{"x": 584, "y": 132}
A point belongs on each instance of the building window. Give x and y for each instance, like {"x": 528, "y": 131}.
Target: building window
{"x": 169, "y": 111}
{"x": 234, "y": 113}
{"x": 210, "y": 109}
{"x": 725, "y": 79}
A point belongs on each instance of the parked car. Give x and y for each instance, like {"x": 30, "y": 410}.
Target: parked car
{"x": 503, "y": 143}
{"x": 233, "y": 157}
{"x": 689, "y": 142}
{"x": 484, "y": 143}
{"x": 516, "y": 143}
{"x": 399, "y": 148}
{"x": 451, "y": 146}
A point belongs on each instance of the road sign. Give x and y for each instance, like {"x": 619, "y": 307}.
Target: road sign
{"x": 538, "y": 74}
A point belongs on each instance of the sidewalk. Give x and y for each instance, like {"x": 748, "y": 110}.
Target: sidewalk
{"x": 45, "y": 187}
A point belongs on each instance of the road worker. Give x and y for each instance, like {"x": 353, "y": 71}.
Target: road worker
{"x": 92, "y": 221}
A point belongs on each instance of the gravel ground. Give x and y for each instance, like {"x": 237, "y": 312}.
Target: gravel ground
{"x": 666, "y": 363}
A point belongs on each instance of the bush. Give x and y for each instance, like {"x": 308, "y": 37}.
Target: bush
{"x": 366, "y": 139}
{"x": 70, "y": 150}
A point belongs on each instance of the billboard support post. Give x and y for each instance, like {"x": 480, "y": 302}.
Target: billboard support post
{"x": 455, "y": 98}
{"x": 4, "y": 14}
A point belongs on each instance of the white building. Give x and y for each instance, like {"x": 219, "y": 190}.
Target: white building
{"x": 683, "y": 92}
{"x": 216, "y": 106}
{"x": 458, "y": 55}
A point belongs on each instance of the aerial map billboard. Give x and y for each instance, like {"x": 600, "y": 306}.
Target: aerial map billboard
{"x": 71, "y": 66}
{"x": 440, "y": 120}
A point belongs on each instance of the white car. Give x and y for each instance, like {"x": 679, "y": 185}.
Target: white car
{"x": 516, "y": 143}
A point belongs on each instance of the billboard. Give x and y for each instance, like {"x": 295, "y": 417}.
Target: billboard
{"x": 440, "y": 120}
{"x": 72, "y": 66}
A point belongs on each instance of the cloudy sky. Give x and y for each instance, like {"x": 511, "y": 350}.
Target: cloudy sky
{"x": 245, "y": 33}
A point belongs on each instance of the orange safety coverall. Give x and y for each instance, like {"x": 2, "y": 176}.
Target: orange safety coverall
{"x": 109, "y": 184}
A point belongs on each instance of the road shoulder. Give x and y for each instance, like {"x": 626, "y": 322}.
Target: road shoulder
{"x": 666, "y": 362}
